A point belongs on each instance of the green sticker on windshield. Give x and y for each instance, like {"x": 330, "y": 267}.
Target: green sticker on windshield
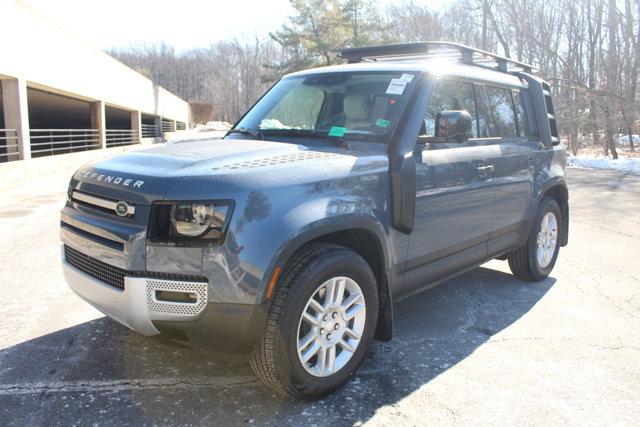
{"x": 337, "y": 131}
{"x": 382, "y": 123}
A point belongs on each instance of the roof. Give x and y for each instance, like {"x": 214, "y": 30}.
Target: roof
{"x": 436, "y": 68}
{"x": 433, "y": 49}
{"x": 437, "y": 58}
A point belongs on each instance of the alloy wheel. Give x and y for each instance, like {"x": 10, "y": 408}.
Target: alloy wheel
{"x": 547, "y": 239}
{"x": 331, "y": 326}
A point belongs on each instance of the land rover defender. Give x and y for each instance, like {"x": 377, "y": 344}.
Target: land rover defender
{"x": 342, "y": 190}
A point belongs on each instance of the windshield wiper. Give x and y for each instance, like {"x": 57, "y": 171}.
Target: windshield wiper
{"x": 246, "y": 131}
{"x": 307, "y": 134}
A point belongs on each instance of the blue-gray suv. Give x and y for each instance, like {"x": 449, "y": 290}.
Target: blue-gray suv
{"x": 342, "y": 190}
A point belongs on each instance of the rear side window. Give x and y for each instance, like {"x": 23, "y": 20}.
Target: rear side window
{"x": 450, "y": 95}
{"x": 500, "y": 113}
{"x": 526, "y": 127}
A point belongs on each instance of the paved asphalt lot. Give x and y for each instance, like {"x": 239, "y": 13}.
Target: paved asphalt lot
{"x": 481, "y": 349}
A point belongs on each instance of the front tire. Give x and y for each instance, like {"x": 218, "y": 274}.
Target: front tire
{"x": 321, "y": 323}
{"x": 535, "y": 260}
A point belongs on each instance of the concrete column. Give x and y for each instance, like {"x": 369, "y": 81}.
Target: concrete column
{"x": 99, "y": 122}
{"x": 136, "y": 126}
{"x": 16, "y": 115}
{"x": 157, "y": 121}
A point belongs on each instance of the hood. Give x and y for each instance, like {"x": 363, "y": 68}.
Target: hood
{"x": 147, "y": 175}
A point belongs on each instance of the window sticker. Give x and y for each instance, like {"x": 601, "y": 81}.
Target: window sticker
{"x": 382, "y": 123}
{"x": 337, "y": 131}
{"x": 406, "y": 77}
{"x": 396, "y": 87}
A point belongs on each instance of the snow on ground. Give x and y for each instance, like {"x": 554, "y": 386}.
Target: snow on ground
{"x": 622, "y": 165}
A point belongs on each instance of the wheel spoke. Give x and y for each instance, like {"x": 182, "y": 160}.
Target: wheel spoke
{"x": 329, "y": 293}
{"x": 321, "y": 362}
{"x": 353, "y": 298}
{"x": 310, "y": 319}
{"x": 353, "y": 334}
{"x": 308, "y": 339}
{"x": 350, "y": 314}
{"x": 331, "y": 359}
{"x": 339, "y": 291}
{"x": 311, "y": 352}
{"x": 316, "y": 306}
{"x": 346, "y": 346}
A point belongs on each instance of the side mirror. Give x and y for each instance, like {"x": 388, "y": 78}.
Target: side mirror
{"x": 453, "y": 126}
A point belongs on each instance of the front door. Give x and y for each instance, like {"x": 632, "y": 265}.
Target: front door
{"x": 454, "y": 194}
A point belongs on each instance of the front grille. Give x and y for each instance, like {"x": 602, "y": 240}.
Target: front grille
{"x": 100, "y": 203}
{"x": 114, "y": 276}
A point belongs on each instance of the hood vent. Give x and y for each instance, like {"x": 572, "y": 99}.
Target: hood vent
{"x": 276, "y": 160}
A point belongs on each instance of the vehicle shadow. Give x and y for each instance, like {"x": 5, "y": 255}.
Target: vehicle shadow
{"x": 100, "y": 371}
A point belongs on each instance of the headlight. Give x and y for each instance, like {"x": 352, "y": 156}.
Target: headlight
{"x": 189, "y": 223}
{"x": 196, "y": 219}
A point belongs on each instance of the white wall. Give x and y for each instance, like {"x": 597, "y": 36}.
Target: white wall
{"x": 35, "y": 49}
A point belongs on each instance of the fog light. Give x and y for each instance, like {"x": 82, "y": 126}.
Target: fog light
{"x": 173, "y": 296}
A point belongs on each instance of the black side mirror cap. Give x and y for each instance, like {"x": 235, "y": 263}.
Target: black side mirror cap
{"x": 453, "y": 126}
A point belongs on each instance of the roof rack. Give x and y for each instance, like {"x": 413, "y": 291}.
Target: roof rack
{"x": 429, "y": 50}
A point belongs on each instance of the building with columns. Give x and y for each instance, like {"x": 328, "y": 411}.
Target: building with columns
{"x": 59, "y": 95}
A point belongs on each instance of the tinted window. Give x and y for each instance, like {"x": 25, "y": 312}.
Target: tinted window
{"x": 502, "y": 120}
{"x": 525, "y": 127}
{"x": 450, "y": 95}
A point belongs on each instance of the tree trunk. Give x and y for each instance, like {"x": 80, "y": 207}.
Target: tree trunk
{"x": 485, "y": 18}
{"x": 610, "y": 141}
{"x": 612, "y": 75}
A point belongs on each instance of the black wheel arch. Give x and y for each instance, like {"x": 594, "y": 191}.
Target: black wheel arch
{"x": 558, "y": 190}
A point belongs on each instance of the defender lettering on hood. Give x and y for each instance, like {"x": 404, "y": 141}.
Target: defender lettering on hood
{"x": 118, "y": 180}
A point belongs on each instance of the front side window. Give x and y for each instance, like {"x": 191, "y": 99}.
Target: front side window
{"x": 450, "y": 95}
{"x": 361, "y": 105}
{"x": 500, "y": 113}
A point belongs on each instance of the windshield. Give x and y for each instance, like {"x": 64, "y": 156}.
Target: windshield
{"x": 362, "y": 106}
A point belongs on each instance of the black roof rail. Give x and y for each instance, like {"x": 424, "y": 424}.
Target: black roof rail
{"x": 430, "y": 50}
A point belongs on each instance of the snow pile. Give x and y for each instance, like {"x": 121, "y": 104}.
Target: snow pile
{"x": 623, "y": 165}
{"x": 215, "y": 126}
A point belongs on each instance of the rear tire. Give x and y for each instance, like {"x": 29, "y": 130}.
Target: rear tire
{"x": 535, "y": 260}
{"x": 312, "y": 274}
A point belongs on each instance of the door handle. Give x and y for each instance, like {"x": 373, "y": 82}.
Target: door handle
{"x": 488, "y": 168}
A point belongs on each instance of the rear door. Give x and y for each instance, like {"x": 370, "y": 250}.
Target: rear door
{"x": 516, "y": 160}
{"x": 454, "y": 194}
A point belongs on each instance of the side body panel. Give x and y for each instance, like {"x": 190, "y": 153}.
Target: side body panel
{"x": 454, "y": 206}
{"x": 517, "y": 162}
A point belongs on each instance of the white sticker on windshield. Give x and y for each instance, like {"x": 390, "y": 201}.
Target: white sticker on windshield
{"x": 396, "y": 86}
{"x": 407, "y": 77}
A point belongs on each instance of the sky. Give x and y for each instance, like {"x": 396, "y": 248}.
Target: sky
{"x": 184, "y": 24}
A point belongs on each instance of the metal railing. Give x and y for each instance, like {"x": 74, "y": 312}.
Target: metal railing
{"x": 9, "y": 145}
{"x": 150, "y": 131}
{"x": 167, "y": 125}
{"x": 117, "y": 137}
{"x": 180, "y": 126}
{"x": 47, "y": 142}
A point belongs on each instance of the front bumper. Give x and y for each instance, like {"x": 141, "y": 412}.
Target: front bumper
{"x": 136, "y": 306}
{"x": 225, "y": 327}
